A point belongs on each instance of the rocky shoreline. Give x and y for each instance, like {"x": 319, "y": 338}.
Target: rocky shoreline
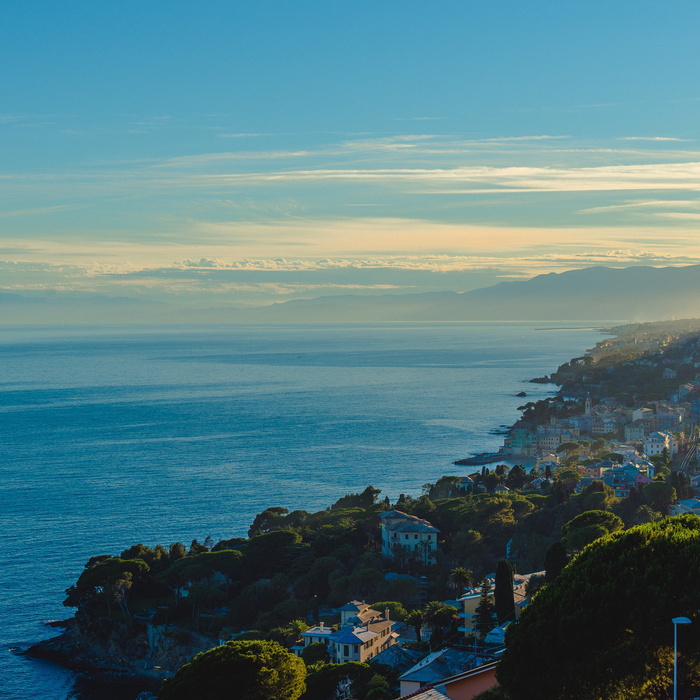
{"x": 138, "y": 658}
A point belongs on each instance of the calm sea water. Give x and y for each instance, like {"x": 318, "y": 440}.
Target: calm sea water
{"x": 113, "y": 437}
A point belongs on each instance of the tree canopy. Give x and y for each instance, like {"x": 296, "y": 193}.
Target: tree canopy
{"x": 254, "y": 670}
{"x": 604, "y": 624}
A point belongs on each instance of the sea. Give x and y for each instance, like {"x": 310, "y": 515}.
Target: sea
{"x": 112, "y": 436}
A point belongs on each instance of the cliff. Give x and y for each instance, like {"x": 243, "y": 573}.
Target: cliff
{"x": 135, "y": 653}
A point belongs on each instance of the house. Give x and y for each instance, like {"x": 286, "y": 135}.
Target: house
{"x": 521, "y": 442}
{"x": 623, "y": 478}
{"x": 689, "y": 505}
{"x": 656, "y": 442}
{"x": 597, "y": 470}
{"x": 363, "y": 634}
{"x": 434, "y": 667}
{"x": 462, "y": 686}
{"x": 637, "y": 430}
{"x": 397, "y": 657}
{"x": 470, "y": 600}
{"x": 497, "y": 636}
{"x": 406, "y": 536}
{"x": 667, "y": 421}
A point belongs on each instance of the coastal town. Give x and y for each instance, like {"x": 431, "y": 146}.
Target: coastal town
{"x": 414, "y": 599}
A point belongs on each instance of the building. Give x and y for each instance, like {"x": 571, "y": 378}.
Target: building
{"x": 363, "y": 633}
{"x": 623, "y": 478}
{"x": 435, "y": 667}
{"x": 689, "y": 505}
{"x": 406, "y": 536}
{"x": 637, "y": 430}
{"x": 655, "y": 443}
{"x": 462, "y": 686}
{"x": 472, "y": 596}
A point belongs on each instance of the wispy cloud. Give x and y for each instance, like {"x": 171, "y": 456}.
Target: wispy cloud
{"x": 664, "y": 176}
{"x": 647, "y": 204}
{"x": 653, "y": 138}
{"x": 686, "y": 216}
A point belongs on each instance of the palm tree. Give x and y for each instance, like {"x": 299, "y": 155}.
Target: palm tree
{"x": 415, "y": 619}
{"x": 460, "y": 578}
{"x": 437, "y": 616}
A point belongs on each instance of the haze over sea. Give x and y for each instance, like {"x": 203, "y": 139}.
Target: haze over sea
{"x": 115, "y": 436}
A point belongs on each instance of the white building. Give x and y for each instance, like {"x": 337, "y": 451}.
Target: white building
{"x": 406, "y": 535}
{"x": 363, "y": 633}
{"x": 655, "y": 443}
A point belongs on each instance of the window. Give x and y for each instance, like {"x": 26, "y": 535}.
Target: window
{"x": 346, "y": 650}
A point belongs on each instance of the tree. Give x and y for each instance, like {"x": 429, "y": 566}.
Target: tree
{"x": 555, "y": 560}
{"x": 490, "y": 481}
{"x": 503, "y": 592}
{"x": 323, "y": 679}
{"x": 254, "y": 670}
{"x": 681, "y": 482}
{"x": 318, "y": 651}
{"x": 484, "y": 618}
{"x": 659, "y": 495}
{"x": 268, "y": 520}
{"x": 460, "y": 578}
{"x": 516, "y": 477}
{"x": 588, "y": 527}
{"x": 437, "y": 616}
{"x": 201, "y": 596}
{"x": 106, "y": 581}
{"x": 396, "y": 610}
{"x": 415, "y": 619}
{"x": 604, "y": 624}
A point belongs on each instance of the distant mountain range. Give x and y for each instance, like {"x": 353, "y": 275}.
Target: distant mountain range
{"x": 594, "y": 293}
{"x": 589, "y": 294}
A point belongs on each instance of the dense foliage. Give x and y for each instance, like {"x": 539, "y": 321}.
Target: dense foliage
{"x": 603, "y": 626}
{"x": 297, "y": 567}
{"x": 252, "y": 670}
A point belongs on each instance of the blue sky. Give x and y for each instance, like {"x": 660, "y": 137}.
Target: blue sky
{"x": 243, "y": 153}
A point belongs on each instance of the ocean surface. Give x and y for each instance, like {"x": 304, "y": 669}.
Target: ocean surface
{"x": 110, "y": 437}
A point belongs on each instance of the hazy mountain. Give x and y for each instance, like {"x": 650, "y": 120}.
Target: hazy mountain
{"x": 595, "y": 293}
{"x": 590, "y": 294}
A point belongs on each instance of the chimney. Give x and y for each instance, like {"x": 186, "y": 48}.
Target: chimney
{"x": 322, "y": 628}
{"x": 386, "y": 614}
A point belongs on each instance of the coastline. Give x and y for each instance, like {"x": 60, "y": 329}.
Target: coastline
{"x": 90, "y": 661}
{"x": 93, "y": 666}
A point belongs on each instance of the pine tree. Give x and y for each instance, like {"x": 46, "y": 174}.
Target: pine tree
{"x": 484, "y": 617}
{"x": 503, "y": 594}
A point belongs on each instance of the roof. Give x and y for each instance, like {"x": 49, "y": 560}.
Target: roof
{"x": 397, "y": 657}
{"x": 318, "y": 631}
{"x": 428, "y": 693}
{"x": 438, "y": 665}
{"x": 403, "y": 522}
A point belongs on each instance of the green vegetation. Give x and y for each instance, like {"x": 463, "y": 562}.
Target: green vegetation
{"x": 295, "y": 567}
{"x": 251, "y": 670}
{"x": 604, "y": 624}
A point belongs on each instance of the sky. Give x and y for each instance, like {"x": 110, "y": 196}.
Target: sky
{"x": 241, "y": 153}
